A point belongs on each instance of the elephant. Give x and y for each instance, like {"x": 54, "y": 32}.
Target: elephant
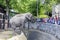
{"x": 19, "y": 20}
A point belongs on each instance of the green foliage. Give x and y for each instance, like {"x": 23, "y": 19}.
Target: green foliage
{"x": 33, "y": 8}
{"x": 58, "y": 1}
{"x": 43, "y": 16}
{"x": 47, "y": 6}
{"x": 3, "y": 2}
{"x": 22, "y": 6}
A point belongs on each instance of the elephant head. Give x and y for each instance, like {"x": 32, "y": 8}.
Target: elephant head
{"x": 30, "y": 17}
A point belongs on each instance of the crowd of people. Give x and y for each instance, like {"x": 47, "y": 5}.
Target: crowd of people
{"x": 53, "y": 20}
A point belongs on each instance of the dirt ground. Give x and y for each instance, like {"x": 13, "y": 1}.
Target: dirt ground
{"x": 10, "y": 35}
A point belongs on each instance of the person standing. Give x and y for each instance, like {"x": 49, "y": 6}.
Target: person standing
{"x": 56, "y": 19}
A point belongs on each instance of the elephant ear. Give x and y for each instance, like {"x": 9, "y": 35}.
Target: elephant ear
{"x": 28, "y": 16}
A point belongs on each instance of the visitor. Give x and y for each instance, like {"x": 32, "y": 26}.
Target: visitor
{"x": 56, "y": 19}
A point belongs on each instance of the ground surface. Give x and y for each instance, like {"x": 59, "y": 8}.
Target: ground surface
{"x": 32, "y": 35}
{"x": 10, "y": 35}
{"x": 46, "y": 31}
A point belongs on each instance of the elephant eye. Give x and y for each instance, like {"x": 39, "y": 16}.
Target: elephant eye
{"x": 28, "y": 16}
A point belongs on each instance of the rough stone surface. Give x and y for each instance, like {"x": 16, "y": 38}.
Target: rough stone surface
{"x": 52, "y": 29}
{"x": 39, "y": 35}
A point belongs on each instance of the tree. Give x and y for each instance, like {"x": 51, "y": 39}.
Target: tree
{"x": 47, "y": 6}
{"x": 22, "y": 6}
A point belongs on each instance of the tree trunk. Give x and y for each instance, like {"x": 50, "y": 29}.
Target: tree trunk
{"x": 7, "y": 14}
